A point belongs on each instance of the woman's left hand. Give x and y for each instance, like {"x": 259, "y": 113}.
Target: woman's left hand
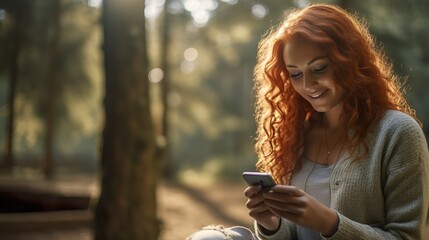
{"x": 299, "y": 207}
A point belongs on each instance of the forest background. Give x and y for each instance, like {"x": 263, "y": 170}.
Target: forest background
{"x": 200, "y": 58}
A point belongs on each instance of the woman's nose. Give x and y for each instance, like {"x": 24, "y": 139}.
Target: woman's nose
{"x": 309, "y": 81}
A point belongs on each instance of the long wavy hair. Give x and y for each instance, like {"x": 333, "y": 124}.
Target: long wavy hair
{"x": 360, "y": 67}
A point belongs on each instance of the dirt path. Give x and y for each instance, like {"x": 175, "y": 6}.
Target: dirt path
{"x": 185, "y": 210}
{"x": 182, "y": 210}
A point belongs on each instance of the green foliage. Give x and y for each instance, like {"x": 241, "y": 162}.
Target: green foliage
{"x": 78, "y": 115}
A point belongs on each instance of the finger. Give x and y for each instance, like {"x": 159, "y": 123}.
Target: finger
{"x": 285, "y": 189}
{"x": 255, "y": 201}
{"x": 260, "y": 214}
{"x": 284, "y": 204}
{"x": 280, "y": 208}
{"x": 281, "y": 199}
{"x": 252, "y": 191}
{"x": 260, "y": 208}
{"x": 295, "y": 216}
{"x": 287, "y": 194}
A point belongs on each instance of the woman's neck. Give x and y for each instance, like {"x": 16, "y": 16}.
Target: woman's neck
{"x": 332, "y": 119}
{"x": 330, "y": 122}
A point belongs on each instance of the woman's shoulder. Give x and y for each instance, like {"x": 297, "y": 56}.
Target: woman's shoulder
{"x": 401, "y": 139}
{"x": 398, "y": 126}
{"x": 397, "y": 120}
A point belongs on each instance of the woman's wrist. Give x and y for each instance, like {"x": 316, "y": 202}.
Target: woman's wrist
{"x": 269, "y": 232}
{"x": 331, "y": 225}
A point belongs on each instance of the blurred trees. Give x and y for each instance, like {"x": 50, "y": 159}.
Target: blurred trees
{"x": 75, "y": 71}
{"x": 204, "y": 77}
{"x": 11, "y": 57}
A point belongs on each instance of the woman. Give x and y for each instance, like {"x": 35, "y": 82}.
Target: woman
{"x": 336, "y": 133}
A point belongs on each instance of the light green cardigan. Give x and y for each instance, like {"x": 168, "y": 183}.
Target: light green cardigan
{"x": 385, "y": 196}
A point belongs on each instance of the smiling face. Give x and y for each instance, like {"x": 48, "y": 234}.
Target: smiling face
{"x": 312, "y": 76}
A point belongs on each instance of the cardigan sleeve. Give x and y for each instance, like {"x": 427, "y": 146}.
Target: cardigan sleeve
{"x": 285, "y": 232}
{"x": 405, "y": 189}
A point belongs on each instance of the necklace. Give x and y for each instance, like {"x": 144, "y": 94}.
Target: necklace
{"x": 315, "y": 163}
{"x": 327, "y": 157}
{"x": 329, "y": 149}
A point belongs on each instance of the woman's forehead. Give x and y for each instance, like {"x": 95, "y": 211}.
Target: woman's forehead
{"x": 300, "y": 51}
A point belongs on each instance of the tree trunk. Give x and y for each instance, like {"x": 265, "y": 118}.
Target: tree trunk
{"x": 19, "y": 12}
{"x": 52, "y": 92}
{"x": 127, "y": 203}
{"x": 164, "y": 148}
{"x": 13, "y": 79}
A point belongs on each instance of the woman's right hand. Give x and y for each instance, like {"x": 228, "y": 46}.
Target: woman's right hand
{"x": 258, "y": 210}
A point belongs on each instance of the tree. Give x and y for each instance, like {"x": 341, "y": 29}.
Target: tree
{"x": 13, "y": 78}
{"x": 52, "y": 90}
{"x": 164, "y": 148}
{"x": 127, "y": 204}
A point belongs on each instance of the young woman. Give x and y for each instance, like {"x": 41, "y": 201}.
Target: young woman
{"x": 336, "y": 133}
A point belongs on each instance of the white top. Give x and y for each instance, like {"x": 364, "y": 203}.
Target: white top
{"x": 313, "y": 178}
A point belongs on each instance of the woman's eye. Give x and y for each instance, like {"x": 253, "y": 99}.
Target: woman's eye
{"x": 320, "y": 69}
{"x": 295, "y": 75}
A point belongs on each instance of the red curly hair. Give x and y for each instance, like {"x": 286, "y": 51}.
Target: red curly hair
{"x": 360, "y": 67}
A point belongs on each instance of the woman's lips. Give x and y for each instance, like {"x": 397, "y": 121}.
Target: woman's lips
{"x": 317, "y": 95}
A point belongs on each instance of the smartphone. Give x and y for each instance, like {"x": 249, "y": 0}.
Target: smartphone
{"x": 258, "y": 178}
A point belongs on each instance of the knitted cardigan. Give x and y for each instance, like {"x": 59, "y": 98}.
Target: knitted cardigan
{"x": 382, "y": 196}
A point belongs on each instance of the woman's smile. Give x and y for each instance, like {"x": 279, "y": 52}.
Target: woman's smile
{"x": 318, "y": 95}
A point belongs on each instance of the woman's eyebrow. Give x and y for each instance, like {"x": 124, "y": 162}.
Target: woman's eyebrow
{"x": 309, "y": 63}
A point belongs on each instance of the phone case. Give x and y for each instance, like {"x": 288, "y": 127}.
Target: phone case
{"x": 257, "y": 178}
